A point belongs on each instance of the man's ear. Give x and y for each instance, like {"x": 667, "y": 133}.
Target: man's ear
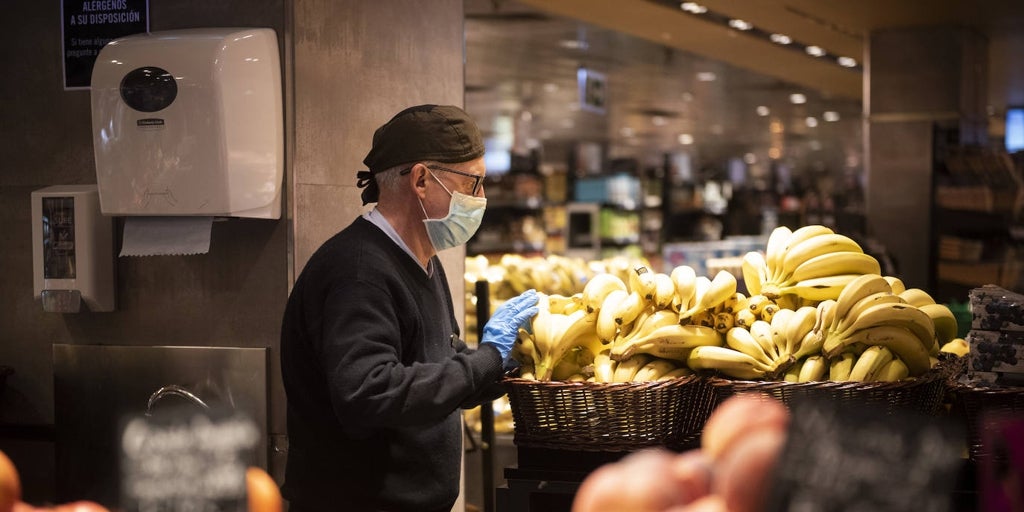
{"x": 418, "y": 179}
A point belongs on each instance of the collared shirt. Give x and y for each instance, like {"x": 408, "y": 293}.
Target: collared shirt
{"x": 377, "y": 219}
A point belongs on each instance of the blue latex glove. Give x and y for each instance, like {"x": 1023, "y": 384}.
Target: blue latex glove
{"x": 503, "y": 327}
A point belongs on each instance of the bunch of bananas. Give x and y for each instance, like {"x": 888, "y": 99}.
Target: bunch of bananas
{"x": 812, "y": 263}
{"x": 616, "y": 331}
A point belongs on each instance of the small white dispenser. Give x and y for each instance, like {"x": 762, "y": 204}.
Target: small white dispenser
{"x": 72, "y": 250}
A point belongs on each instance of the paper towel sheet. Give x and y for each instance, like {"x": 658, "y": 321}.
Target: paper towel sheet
{"x": 155, "y": 236}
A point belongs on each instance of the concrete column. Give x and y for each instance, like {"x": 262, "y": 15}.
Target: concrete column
{"x": 915, "y": 79}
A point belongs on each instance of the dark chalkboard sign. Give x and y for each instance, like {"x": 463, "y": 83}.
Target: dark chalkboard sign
{"x": 185, "y": 459}
{"x": 854, "y": 459}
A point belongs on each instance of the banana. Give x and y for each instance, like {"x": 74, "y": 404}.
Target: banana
{"x": 898, "y": 314}
{"x": 745, "y": 317}
{"x": 779, "y": 322}
{"x": 863, "y": 304}
{"x": 916, "y": 297}
{"x": 672, "y": 341}
{"x": 630, "y": 308}
{"x": 597, "y": 288}
{"x": 813, "y": 369}
{"x": 685, "y": 280}
{"x": 817, "y": 289}
{"x": 761, "y": 331}
{"x": 740, "y": 339}
{"x": 893, "y": 371}
{"x": 756, "y": 303}
{"x": 775, "y": 251}
{"x": 606, "y": 326}
{"x": 523, "y": 349}
{"x": 958, "y": 346}
{"x": 946, "y": 327}
{"x": 664, "y": 290}
{"x": 901, "y": 341}
{"x": 809, "y": 345}
{"x": 642, "y": 281}
{"x": 724, "y": 321}
{"x": 701, "y": 288}
{"x": 815, "y": 246}
{"x": 627, "y": 368}
{"x": 768, "y": 311}
{"x": 800, "y": 323}
{"x": 840, "y": 367}
{"x": 857, "y": 289}
{"x": 896, "y": 284}
{"x": 654, "y": 370}
{"x": 833, "y": 263}
{"x": 557, "y": 303}
{"x": 647, "y": 323}
{"x": 755, "y": 271}
{"x": 718, "y": 291}
{"x": 869, "y": 363}
{"x": 604, "y": 367}
{"x": 676, "y": 374}
{"x": 727, "y": 361}
{"x": 793, "y": 373}
{"x": 557, "y": 335}
{"x": 805, "y": 233}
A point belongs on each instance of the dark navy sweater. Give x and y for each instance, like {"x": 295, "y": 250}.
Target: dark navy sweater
{"x": 375, "y": 375}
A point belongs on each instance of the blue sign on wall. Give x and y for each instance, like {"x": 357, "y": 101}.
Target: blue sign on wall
{"x": 88, "y": 25}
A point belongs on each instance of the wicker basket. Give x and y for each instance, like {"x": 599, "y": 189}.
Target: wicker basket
{"x": 609, "y": 417}
{"x": 974, "y": 405}
{"x": 924, "y": 394}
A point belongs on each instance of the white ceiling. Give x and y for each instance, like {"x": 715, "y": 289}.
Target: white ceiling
{"x": 522, "y": 59}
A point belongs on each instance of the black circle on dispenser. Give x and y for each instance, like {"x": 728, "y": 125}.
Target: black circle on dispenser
{"x": 148, "y": 89}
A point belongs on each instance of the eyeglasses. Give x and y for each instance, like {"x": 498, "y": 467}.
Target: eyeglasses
{"x": 477, "y": 179}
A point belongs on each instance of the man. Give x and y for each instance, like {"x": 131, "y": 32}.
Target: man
{"x": 374, "y": 370}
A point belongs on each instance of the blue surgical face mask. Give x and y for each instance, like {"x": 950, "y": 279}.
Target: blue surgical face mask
{"x": 465, "y": 213}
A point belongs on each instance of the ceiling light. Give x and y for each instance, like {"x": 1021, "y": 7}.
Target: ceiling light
{"x": 774, "y": 153}
{"x": 550, "y": 87}
{"x": 763, "y": 110}
{"x": 847, "y": 62}
{"x": 816, "y": 51}
{"x": 573, "y": 44}
{"x": 706, "y": 76}
{"x": 781, "y": 39}
{"x": 750, "y": 158}
{"x": 693, "y": 7}
{"x": 685, "y": 139}
{"x": 830, "y": 116}
{"x": 775, "y": 127}
{"x": 797, "y": 99}
{"x": 811, "y": 122}
{"x": 739, "y": 24}
{"x": 525, "y": 115}
{"x": 659, "y": 120}
{"x": 626, "y": 131}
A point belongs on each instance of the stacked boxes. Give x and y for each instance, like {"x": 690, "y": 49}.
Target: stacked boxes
{"x": 996, "y": 337}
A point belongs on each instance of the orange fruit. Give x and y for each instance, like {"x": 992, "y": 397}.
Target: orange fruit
{"x": 264, "y": 495}
{"x": 10, "y": 484}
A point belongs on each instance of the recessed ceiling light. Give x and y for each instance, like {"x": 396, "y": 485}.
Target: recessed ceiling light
{"x": 830, "y": 116}
{"x": 780, "y": 39}
{"x": 847, "y": 62}
{"x": 659, "y": 120}
{"x": 763, "y": 111}
{"x": 797, "y": 99}
{"x": 816, "y": 51}
{"x": 706, "y": 76}
{"x": 750, "y": 158}
{"x": 811, "y": 122}
{"x": 739, "y": 24}
{"x": 693, "y": 7}
{"x": 573, "y": 44}
{"x": 685, "y": 139}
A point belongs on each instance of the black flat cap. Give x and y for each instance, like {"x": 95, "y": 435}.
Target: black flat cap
{"x": 439, "y": 133}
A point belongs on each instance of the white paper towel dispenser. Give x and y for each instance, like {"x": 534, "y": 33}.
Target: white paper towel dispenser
{"x": 189, "y": 122}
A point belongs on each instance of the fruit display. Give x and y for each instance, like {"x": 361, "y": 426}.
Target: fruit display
{"x": 819, "y": 310}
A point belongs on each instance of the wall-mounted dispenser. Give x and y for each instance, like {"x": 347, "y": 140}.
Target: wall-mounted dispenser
{"x": 189, "y": 122}
{"x": 72, "y": 250}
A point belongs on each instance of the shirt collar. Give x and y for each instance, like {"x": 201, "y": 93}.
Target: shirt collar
{"x": 377, "y": 219}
